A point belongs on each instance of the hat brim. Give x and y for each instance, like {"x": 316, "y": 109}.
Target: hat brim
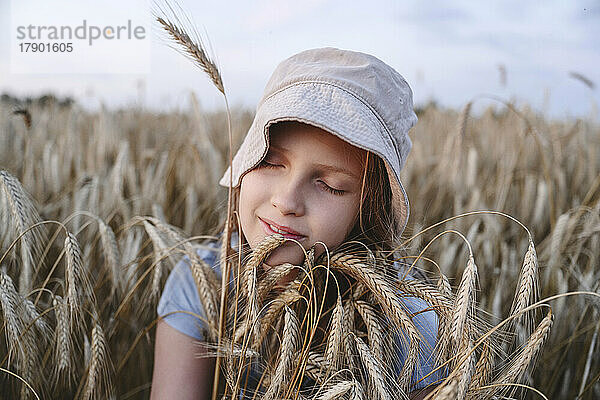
{"x": 341, "y": 113}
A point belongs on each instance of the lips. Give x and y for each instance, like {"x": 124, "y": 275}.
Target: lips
{"x": 271, "y": 228}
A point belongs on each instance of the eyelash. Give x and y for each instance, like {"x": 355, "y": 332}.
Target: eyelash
{"x": 337, "y": 192}
{"x": 264, "y": 164}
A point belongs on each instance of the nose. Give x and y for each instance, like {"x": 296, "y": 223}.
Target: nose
{"x": 287, "y": 197}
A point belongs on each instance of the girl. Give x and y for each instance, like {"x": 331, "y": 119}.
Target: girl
{"x": 320, "y": 163}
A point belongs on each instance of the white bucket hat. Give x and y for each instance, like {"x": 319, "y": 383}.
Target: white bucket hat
{"x": 352, "y": 95}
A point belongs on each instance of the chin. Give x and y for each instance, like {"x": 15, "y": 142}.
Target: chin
{"x": 284, "y": 254}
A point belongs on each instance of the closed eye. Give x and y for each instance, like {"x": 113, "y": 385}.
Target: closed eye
{"x": 337, "y": 192}
{"x": 264, "y": 164}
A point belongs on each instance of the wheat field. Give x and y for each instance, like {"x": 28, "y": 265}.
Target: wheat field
{"x": 93, "y": 204}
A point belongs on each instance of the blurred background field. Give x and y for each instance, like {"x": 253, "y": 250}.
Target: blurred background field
{"x": 93, "y": 170}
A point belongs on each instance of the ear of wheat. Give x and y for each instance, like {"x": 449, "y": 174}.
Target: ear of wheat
{"x": 194, "y": 50}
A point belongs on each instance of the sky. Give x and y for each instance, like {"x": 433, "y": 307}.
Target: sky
{"x": 449, "y": 52}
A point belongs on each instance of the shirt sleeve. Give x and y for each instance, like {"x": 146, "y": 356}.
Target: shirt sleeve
{"x": 179, "y": 304}
{"x": 426, "y": 322}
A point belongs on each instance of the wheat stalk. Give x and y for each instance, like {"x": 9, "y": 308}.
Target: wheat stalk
{"x": 261, "y": 252}
{"x": 98, "y": 363}
{"x": 130, "y": 244}
{"x": 270, "y": 280}
{"x": 21, "y": 338}
{"x": 77, "y": 279}
{"x": 111, "y": 254}
{"x": 286, "y": 298}
{"x": 9, "y": 300}
{"x": 205, "y": 279}
{"x": 315, "y": 365}
{"x": 349, "y": 344}
{"x": 30, "y": 370}
{"x": 195, "y": 51}
{"x": 334, "y": 339}
{"x": 34, "y": 317}
{"x": 258, "y": 256}
{"x": 337, "y": 390}
{"x": 23, "y": 215}
{"x": 519, "y": 365}
{"x": 160, "y": 252}
{"x": 35, "y": 336}
{"x": 373, "y": 369}
{"x": 527, "y": 289}
{"x": 426, "y": 292}
{"x": 62, "y": 338}
{"x": 289, "y": 346}
{"x": 465, "y": 370}
{"x": 390, "y": 301}
{"x": 483, "y": 368}
{"x": 463, "y": 306}
{"x": 374, "y": 329}
{"x": 443, "y": 285}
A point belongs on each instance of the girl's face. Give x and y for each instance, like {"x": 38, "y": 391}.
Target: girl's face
{"x": 307, "y": 187}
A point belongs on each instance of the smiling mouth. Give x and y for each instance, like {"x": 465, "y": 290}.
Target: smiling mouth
{"x": 272, "y": 229}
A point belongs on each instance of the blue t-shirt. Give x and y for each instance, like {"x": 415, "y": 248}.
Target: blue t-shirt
{"x": 180, "y": 294}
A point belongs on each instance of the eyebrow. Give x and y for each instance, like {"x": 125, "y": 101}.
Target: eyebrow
{"x": 322, "y": 167}
{"x": 331, "y": 168}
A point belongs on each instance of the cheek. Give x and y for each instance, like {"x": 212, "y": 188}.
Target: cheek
{"x": 247, "y": 201}
{"x": 248, "y": 192}
{"x": 337, "y": 220}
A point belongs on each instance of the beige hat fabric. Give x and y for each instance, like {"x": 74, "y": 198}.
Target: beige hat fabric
{"x": 352, "y": 95}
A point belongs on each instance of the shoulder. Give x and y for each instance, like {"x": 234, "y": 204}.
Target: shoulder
{"x": 406, "y": 269}
{"x": 180, "y": 304}
{"x": 210, "y": 251}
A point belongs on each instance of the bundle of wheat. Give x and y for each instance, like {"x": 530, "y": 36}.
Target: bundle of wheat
{"x": 336, "y": 328}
